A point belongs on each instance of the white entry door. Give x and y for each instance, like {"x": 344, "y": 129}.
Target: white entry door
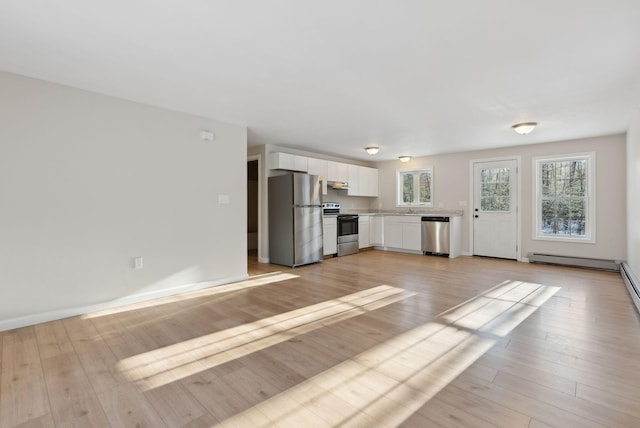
{"x": 495, "y": 211}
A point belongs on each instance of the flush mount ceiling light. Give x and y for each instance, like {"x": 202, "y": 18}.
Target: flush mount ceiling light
{"x": 372, "y": 150}
{"x": 524, "y": 128}
{"x": 404, "y": 158}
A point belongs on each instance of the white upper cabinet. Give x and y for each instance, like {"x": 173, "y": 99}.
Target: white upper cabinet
{"x": 368, "y": 183}
{"x": 353, "y": 178}
{"x": 337, "y": 171}
{"x": 363, "y": 181}
{"x": 319, "y": 167}
{"x": 289, "y": 162}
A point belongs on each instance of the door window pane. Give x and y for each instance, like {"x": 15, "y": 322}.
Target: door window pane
{"x": 495, "y": 190}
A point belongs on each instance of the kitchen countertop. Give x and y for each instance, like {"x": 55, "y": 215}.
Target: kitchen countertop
{"x": 430, "y": 213}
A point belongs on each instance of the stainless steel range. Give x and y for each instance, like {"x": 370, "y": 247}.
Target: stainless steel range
{"x": 347, "y": 229}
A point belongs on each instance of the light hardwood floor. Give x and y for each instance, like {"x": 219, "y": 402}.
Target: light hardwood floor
{"x": 372, "y": 339}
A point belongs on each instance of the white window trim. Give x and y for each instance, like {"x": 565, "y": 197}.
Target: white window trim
{"x": 399, "y": 202}
{"x": 590, "y": 236}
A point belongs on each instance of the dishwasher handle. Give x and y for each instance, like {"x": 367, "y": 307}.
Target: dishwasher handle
{"x": 431, "y": 218}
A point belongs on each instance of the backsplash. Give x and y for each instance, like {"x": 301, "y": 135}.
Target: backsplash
{"x": 350, "y": 203}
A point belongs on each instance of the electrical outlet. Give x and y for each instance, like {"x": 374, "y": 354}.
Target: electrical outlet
{"x": 207, "y": 135}
{"x": 138, "y": 263}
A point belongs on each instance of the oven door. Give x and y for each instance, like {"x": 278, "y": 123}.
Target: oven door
{"x": 347, "y": 225}
{"x": 347, "y": 235}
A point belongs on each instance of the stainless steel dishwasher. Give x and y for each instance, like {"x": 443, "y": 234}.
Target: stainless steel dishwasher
{"x": 435, "y": 235}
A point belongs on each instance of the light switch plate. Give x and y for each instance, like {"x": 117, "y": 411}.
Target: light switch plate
{"x": 223, "y": 199}
{"x": 138, "y": 263}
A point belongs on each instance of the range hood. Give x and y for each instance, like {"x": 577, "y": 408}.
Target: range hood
{"x": 338, "y": 185}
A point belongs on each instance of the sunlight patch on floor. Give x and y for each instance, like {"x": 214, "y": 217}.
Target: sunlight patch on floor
{"x": 501, "y": 309}
{"x": 386, "y": 384}
{"x": 177, "y": 361}
{"x": 253, "y": 281}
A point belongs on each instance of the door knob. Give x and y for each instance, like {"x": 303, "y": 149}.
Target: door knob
{"x": 476, "y": 216}
{"x": 476, "y": 210}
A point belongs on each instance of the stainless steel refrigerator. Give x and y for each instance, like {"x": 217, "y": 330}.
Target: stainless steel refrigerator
{"x": 295, "y": 219}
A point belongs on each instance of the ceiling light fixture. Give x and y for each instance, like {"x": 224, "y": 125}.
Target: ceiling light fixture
{"x": 524, "y": 128}
{"x": 372, "y": 150}
{"x": 404, "y": 158}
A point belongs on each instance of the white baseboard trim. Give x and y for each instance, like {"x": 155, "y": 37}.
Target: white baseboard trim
{"x": 398, "y": 250}
{"x": 27, "y": 320}
{"x": 524, "y": 260}
{"x": 466, "y": 253}
{"x": 263, "y": 259}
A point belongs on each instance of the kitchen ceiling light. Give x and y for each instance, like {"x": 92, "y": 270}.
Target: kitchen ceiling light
{"x": 524, "y": 128}
{"x": 372, "y": 150}
{"x": 404, "y": 158}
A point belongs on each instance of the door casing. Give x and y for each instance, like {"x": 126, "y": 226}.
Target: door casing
{"x": 472, "y": 163}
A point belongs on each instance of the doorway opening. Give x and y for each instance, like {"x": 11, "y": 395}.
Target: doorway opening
{"x": 253, "y": 191}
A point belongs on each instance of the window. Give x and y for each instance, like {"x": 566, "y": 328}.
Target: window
{"x": 565, "y": 201}
{"x": 415, "y": 187}
{"x": 495, "y": 196}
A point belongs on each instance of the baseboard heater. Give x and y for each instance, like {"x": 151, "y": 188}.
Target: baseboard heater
{"x": 632, "y": 283}
{"x": 583, "y": 262}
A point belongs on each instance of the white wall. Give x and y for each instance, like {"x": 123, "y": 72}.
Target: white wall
{"x": 88, "y": 181}
{"x": 633, "y": 194}
{"x": 451, "y": 186}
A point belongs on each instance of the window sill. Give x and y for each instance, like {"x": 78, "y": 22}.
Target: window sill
{"x": 565, "y": 239}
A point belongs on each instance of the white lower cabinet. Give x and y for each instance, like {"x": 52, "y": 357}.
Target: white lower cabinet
{"x": 392, "y": 232}
{"x": 364, "y": 223}
{"x": 396, "y": 233}
{"x": 412, "y": 236}
{"x": 376, "y": 231}
{"x": 330, "y": 235}
{"x": 403, "y": 232}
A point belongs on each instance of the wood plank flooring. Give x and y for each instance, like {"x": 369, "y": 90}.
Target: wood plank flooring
{"x": 373, "y": 339}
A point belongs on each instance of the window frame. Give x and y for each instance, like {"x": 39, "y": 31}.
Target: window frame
{"x": 590, "y": 198}
{"x": 399, "y": 187}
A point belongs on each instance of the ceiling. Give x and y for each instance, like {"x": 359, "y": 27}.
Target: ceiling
{"x": 414, "y": 77}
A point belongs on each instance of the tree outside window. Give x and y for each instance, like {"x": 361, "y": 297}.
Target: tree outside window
{"x": 495, "y": 190}
{"x": 415, "y": 187}
{"x": 565, "y": 199}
